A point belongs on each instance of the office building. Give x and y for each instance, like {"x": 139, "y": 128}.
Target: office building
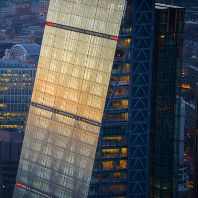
{"x": 141, "y": 72}
{"x": 113, "y": 175}
{"x": 121, "y": 162}
{"x": 68, "y": 99}
{"x": 10, "y": 149}
{"x": 25, "y": 52}
{"x": 3, "y": 46}
{"x": 121, "y": 167}
{"x": 17, "y": 80}
{"x": 165, "y": 132}
{"x": 17, "y": 74}
{"x": 43, "y": 7}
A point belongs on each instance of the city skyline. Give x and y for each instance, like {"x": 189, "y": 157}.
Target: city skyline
{"x": 141, "y": 122}
{"x": 69, "y": 97}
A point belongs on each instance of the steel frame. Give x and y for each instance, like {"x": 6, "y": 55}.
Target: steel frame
{"x": 138, "y": 134}
{"x": 140, "y": 98}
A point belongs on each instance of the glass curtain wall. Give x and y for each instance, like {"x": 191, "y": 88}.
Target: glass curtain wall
{"x": 168, "y": 55}
{"x": 109, "y": 177}
{"x": 68, "y": 98}
{"x": 17, "y": 80}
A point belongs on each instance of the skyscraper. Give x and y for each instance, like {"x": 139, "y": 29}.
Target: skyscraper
{"x": 113, "y": 174}
{"x": 121, "y": 162}
{"x": 167, "y": 64}
{"x": 51, "y": 161}
{"x": 68, "y": 98}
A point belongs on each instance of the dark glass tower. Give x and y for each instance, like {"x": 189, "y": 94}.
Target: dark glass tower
{"x": 113, "y": 174}
{"x": 121, "y": 162}
{"x": 168, "y": 55}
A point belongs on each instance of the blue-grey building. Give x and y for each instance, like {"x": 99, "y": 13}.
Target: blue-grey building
{"x": 121, "y": 161}
{"x": 125, "y": 141}
{"x": 166, "y": 132}
{"x": 68, "y": 99}
{"x": 17, "y": 74}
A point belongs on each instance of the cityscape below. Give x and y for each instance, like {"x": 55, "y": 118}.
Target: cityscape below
{"x": 98, "y": 99}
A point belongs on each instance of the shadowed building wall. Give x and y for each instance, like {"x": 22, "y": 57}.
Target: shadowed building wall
{"x": 168, "y": 56}
{"x": 10, "y": 150}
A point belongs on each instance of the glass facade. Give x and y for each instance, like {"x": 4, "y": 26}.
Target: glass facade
{"x": 110, "y": 173}
{"x": 68, "y": 98}
{"x": 168, "y": 55}
{"x": 17, "y": 80}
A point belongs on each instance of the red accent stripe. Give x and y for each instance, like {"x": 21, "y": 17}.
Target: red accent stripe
{"x": 116, "y": 38}
{"x": 89, "y": 32}
{"x": 50, "y": 24}
{"x": 20, "y": 185}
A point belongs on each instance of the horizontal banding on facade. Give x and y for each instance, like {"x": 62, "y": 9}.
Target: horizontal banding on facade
{"x": 65, "y": 114}
{"x": 83, "y": 31}
{"x": 19, "y": 185}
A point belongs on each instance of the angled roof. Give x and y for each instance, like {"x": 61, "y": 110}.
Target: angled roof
{"x": 29, "y": 49}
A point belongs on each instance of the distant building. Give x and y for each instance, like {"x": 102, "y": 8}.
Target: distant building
{"x": 10, "y": 149}
{"x": 32, "y": 33}
{"x": 67, "y": 173}
{"x": 23, "y": 11}
{"x": 17, "y": 80}
{"x": 17, "y": 74}
{"x": 43, "y": 7}
{"x": 3, "y": 46}
{"x": 6, "y": 9}
{"x": 28, "y": 53}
